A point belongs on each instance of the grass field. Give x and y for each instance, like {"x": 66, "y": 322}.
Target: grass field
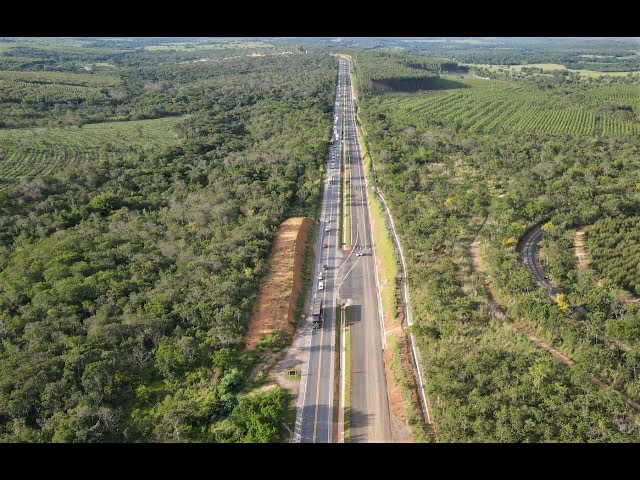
{"x": 40, "y": 151}
{"x": 493, "y": 106}
{"x": 185, "y": 47}
{"x": 548, "y": 67}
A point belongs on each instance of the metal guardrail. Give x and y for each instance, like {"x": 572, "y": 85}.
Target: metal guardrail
{"x": 407, "y": 308}
{"x": 407, "y": 305}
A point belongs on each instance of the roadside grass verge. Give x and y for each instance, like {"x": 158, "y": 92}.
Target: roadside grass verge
{"x": 387, "y": 262}
{"x": 385, "y": 253}
{"x": 289, "y": 418}
{"x": 346, "y": 182}
{"x": 410, "y": 412}
{"x": 347, "y": 206}
{"x": 340, "y": 206}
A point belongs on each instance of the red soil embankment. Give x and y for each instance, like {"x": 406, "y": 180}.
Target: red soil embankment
{"x": 276, "y": 300}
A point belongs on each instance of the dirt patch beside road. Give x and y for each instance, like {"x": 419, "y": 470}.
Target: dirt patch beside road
{"x": 276, "y": 301}
{"x": 578, "y": 243}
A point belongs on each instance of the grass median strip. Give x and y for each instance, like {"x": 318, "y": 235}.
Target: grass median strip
{"x": 338, "y": 378}
{"x": 347, "y": 376}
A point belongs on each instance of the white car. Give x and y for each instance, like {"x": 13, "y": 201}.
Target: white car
{"x": 320, "y": 276}
{"x": 320, "y": 285}
{"x": 327, "y": 229}
{"x": 358, "y": 254}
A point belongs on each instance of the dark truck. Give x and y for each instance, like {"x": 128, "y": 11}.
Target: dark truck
{"x": 316, "y": 313}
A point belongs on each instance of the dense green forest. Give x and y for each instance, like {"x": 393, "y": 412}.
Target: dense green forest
{"x": 597, "y": 54}
{"x": 76, "y": 83}
{"x": 445, "y": 182}
{"x": 378, "y": 71}
{"x": 127, "y": 279}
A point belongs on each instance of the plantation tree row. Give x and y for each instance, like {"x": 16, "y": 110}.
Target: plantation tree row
{"x": 32, "y": 152}
{"x": 378, "y": 72}
{"x": 489, "y": 107}
{"x": 614, "y": 247}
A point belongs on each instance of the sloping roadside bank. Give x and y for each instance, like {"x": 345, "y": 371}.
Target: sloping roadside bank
{"x": 404, "y": 378}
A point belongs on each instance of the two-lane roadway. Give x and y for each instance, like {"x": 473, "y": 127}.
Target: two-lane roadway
{"x": 314, "y": 420}
{"x": 346, "y": 277}
{"x": 370, "y": 419}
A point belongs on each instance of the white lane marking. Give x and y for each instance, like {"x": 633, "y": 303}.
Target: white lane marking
{"x": 383, "y": 339}
{"x": 299, "y": 413}
{"x": 317, "y": 407}
{"x": 298, "y": 426}
{"x": 351, "y": 252}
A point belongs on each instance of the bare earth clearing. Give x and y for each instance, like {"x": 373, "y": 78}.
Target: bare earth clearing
{"x": 578, "y": 243}
{"x": 275, "y": 306}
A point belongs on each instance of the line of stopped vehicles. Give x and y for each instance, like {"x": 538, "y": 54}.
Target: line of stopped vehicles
{"x": 315, "y": 316}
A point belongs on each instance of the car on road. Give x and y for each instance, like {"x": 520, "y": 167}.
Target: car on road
{"x": 320, "y": 285}
{"x": 358, "y": 254}
{"x": 327, "y": 229}
{"x": 324, "y": 245}
{"x": 325, "y": 267}
{"x": 327, "y": 220}
{"x": 320, "y": 276}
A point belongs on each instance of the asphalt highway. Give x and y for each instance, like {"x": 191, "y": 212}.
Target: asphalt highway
{"x": 370, "y": 420}
{"x": 529, "y": 248}
{"x": 317, "y": 385}
{"x": 350, "y": 278}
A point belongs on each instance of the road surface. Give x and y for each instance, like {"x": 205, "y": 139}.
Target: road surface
{"x": 348, "y": 277}
{"x": 315, "y": 408}
{"x": 528, "y": 245}
{"x": 370, "y": 420}
{"x": 529, "y": 248}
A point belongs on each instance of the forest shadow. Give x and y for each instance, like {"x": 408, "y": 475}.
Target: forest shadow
{"x": 447, "y": 84}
